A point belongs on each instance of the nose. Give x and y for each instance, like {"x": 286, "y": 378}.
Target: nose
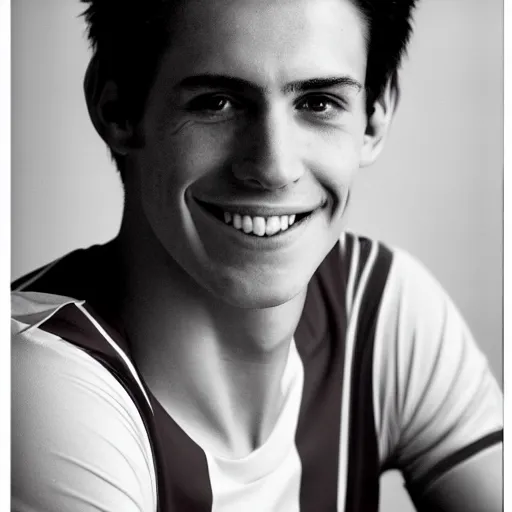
{"x": 269, "y": 156}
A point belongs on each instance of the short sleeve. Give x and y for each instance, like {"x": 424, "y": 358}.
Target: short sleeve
{"x": 78, "y": 442}
{"x": 436, "y": 401}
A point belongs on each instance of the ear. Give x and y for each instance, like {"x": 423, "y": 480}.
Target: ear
{"x": 379, "y": 122}
{"x": 106, "y": 110}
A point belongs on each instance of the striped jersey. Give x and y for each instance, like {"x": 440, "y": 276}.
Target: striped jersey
{"x": 382, "y": 373}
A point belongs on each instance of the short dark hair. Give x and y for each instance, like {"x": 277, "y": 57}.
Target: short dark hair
{"x": 129, "y": 37}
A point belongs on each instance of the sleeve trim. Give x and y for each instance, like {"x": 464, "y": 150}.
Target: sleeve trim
{"x": 454, "y": 460}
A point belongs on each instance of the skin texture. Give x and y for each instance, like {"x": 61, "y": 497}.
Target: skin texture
{"x": 262, "y": 148}
{"x": 210, "y": 312}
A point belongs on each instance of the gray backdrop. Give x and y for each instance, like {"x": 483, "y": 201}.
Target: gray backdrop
{"x": 436, "y": 190}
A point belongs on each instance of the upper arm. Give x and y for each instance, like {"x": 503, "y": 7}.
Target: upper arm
{"x": 78, "y": 442}
{"x": 473, "y": 485}
{"x": 438, "y": 407}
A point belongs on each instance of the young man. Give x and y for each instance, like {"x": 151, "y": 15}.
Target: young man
{"x": 233, "y": 349}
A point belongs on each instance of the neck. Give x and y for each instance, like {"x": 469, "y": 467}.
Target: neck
{"x": 215, "y": 367}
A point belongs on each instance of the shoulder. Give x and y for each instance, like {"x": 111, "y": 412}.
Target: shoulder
{"x": 436, "y": 403}
{"x": 79, "y": 274}
{"x": 360, "y": 253}
{"x": 435, "y": 399}
{"x": 54, "y": 275}
{"x": 400, "y": 286}
{"x": 77, "y": 437}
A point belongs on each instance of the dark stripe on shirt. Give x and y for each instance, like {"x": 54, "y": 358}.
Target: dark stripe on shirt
{"x": 69, "y": 277}
{"x": 363, "y": 471}
{"x": 184, "y": 478}
{"x": 320, "y": 341}
{"x": 183, "y": 482}
{"x": 20, "y": 282}
{"x": 365, "y": 247}
{"x": 72, "y": 325}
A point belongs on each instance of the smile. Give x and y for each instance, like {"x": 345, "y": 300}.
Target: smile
{"x": 255, "y": 224}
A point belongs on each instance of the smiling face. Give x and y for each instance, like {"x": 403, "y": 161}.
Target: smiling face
{"x": 253, "y": 130}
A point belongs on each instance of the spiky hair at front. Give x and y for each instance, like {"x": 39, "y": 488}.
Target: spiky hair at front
{"x": 128, "y": 38}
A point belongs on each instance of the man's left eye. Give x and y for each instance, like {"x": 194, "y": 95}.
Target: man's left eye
{"x": 320, "y": 105}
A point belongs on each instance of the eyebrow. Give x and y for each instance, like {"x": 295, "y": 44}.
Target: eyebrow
{"x": 323, "y": 83}
{"x": 213, "y": 81}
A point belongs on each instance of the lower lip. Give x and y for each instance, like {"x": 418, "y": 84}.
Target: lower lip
{"x": 251, "y": 241}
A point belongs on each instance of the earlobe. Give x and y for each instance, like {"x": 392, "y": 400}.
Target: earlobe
{"x": 106, "y": 111}
{"x": 379, "y": 121}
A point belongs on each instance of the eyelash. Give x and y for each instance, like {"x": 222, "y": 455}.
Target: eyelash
{"x": 201, "y": 105}
{"x": 335, "y": 106}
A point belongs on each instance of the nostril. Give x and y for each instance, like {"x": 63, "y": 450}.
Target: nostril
{"x": 254, "y": 183}
{"x": 262, "y": 184}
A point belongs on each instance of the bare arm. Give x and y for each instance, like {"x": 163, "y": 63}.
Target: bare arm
{"x": 475, "y": 485}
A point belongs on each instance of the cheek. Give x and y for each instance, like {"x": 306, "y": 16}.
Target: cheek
{"x": 335, "y": 157}
{"x": 180, "y": 155}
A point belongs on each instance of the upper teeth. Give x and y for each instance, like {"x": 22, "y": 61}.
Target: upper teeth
{"x": 259, "y": 226}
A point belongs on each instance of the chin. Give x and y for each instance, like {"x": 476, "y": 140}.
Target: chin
{"x": 260, "y": 301}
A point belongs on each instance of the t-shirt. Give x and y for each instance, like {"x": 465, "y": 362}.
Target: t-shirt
{"x": 382, "y": 373}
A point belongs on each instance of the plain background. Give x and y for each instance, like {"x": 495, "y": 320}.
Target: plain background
{"x": 435, "y": 191}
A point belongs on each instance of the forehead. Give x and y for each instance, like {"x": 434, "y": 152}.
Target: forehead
{"x": 266, "y": 40}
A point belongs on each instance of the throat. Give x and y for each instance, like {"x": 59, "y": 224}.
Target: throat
{"x": 228, "y": 406}
{"x": 245, "y": 398}
{"x": 216, "y": 369}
